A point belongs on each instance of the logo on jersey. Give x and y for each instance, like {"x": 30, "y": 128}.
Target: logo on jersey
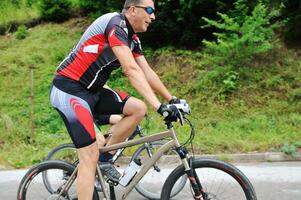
{"x": 137, "y": 41}
{"x": 91, "y": 48}
{"x": 112, "y": 32}
{"x": 126, "y": 30}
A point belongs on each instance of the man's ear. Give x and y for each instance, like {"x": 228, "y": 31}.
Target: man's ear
{"x": 132, "y": 10}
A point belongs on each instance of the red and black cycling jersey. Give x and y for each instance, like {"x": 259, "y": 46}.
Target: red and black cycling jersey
{"x": 92, "y": 59}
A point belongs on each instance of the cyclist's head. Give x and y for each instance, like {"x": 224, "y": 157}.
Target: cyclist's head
{"x": 140, "y": 13}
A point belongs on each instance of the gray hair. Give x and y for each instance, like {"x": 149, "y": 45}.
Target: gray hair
{"x": 129, "y": 3}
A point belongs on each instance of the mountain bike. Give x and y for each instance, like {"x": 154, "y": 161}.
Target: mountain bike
{"x": 208, "y": 179}
{"x": 67, "y": 152}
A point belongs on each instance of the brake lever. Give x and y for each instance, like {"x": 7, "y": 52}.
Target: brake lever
{"x": 181, "y": 118}
{"x": 179, "y": 114}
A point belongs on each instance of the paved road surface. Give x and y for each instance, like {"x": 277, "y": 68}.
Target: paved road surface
{"x": 272, "y": 181}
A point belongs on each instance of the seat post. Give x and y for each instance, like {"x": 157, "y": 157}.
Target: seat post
{"x": 112, "y": 191}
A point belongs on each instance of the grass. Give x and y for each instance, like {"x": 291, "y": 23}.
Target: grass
{"x": 13, "y": 13}
{"x": 43, "y": 50}
{"x": 262, "y": 113}
{"x": 257, "y": 116}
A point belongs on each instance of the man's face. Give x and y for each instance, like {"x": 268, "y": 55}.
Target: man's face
{"x": 143, "y": 15}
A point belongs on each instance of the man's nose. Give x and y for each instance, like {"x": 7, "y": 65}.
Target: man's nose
{"x": 152, "y": 16}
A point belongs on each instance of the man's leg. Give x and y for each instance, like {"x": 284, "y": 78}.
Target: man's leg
{"x": 75, "y": 109}
{"x": 134, "y": 110}
{"x": 88, "y": 157}
{"x": 114, "y": 119}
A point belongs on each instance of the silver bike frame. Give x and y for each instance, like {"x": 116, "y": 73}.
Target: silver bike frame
{"x": 148, "y": 164}
{"x": 144, "y": 168}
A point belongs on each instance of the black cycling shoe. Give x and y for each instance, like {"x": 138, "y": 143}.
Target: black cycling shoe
{"x": 108, "y": 169}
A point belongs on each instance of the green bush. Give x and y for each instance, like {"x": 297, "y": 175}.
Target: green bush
{"x": 21, "y": 32}
{"x": 289, "y": 149}
{"x": 230, "y": 82}
{"x": 291, "y": 13}
{"x": 177, "y": 22}
{"x": 55, "y": 10}
{"x": 241, "y": 36}
{"x": 96, "y": 8}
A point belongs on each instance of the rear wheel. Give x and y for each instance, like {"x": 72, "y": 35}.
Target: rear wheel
{"x": 66, "y": 152}
{"x": 219, "y": 180}
{"x": 32, "y": 187}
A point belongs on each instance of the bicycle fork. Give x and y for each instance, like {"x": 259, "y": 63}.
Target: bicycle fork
{"x": 198, "y": 191}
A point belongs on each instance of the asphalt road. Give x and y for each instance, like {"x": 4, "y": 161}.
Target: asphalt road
{"x": 272, "y": 181}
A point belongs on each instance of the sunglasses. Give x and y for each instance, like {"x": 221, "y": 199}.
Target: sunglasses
{"x": 148, "y": 9}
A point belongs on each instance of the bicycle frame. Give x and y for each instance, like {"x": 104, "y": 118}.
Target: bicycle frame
{"x": 147, "y": 165}
{"x": 120, "y": 150}
{"x": 144, "y": 168}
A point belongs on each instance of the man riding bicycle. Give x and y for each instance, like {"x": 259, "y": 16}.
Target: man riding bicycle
{"x": 78, "y": 91}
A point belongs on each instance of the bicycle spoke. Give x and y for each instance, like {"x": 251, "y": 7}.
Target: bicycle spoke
{"x": 57, "y": 178}
{"x": 217, "y": 184}
{"x": 219, "y": 181}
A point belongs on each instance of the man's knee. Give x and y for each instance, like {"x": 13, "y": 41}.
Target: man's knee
{"x": 141, "y": 108}
{"x": 135, "y": 107}
{"x": 88, "y": 155}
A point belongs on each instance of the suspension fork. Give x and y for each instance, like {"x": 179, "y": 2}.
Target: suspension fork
{"x": 204, "y": 194}
{"x": 195, "y": 183}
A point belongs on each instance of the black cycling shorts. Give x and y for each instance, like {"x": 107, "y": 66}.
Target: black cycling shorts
{"x": 80, "y": 107}
{"x": 102, "y": 119}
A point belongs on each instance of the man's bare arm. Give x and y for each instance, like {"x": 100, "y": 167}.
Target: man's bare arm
{"x": 153, "y": 78}
{"x": 135, "y": 75}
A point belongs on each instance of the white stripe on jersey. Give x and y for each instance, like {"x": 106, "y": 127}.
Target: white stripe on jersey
{"x": 89, "y": 86}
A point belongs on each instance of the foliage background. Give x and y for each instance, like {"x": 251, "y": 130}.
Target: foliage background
{"x": 178, "y": 22}
{"x": 238, "y": 65}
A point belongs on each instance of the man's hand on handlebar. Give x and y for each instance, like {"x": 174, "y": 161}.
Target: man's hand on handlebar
{"x": 169, "y": 112}
{"x": 181, "y": 104}
{"x": 175, "y": 110}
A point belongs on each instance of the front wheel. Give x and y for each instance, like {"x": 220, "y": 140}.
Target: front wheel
{"x": 218, "y": 179}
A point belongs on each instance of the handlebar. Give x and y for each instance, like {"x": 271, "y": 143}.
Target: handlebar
{"x": 183, "y": 108}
